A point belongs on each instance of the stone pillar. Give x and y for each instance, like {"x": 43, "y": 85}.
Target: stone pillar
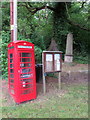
{"x": 69, "y": 49}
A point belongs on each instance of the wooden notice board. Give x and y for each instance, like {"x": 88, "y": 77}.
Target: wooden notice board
{"x": 52, "y": 61}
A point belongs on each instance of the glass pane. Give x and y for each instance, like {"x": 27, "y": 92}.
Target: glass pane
{"x": 25, "y": 65}
{"x": 26, "y": 70}
{"x": 25, "y": 55}
{"x": 57, "y": 62}
{"x": 26, "y": 75}
{"x": 11, "y": 71}
{"x": 25, "y": 59}
{"x": 11, "y": 86}
{"x": 27, "y": 80}
{"x": 11, "y": 60}
{"x": 11, "y": 55}
{"x": 11, "y": 65}
{"x": 27, "y": 91}
{"x": 11, "y": 80}
{"x": 12, "y": 91}
{"x": 57, "y": 56}
{"x": 26, "y": 85}
{"x": 11, "y": 75}
{"x": 49, "y": 62}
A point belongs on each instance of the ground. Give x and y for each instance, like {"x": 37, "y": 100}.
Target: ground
{"x": 68, "y": 102}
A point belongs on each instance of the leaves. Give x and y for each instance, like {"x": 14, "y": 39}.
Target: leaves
{"x": 47, "y": 23}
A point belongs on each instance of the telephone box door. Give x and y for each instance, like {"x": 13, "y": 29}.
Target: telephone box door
{"x": 27, "y": 75}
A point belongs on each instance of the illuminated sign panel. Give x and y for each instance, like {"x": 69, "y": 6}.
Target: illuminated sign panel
{"x": 20, "y": 46}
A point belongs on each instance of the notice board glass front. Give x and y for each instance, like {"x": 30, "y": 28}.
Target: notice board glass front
{"x": 52, "y": 61}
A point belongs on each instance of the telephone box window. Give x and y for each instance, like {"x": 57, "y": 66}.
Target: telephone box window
{"x": 11, "y": 76}
{"x": 12, "y": 91}
{"x": 11, "y": 55}
{"x": 11, "y": 71}
{"x": 11, "y": 80}
{"x": 26, "y": 75}
{"x": 11, "y": 60}
{"x": 11, "y": 86}
{"x": 26, "y": 70}
{"x": 27, "y": 80}
{"x": 26, "y": 91}
{"x": 26, "y": 85}
{"x": 25, "y": 59}
{"x": 11, "y": 65}
{"x": 25, "y": 55}
{"x": 25, "y": 65}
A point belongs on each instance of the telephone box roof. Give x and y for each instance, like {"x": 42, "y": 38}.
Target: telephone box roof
{"x": 20, "y": 41}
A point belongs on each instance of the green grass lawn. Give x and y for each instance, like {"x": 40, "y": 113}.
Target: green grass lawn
{"x": 73, "y": 104}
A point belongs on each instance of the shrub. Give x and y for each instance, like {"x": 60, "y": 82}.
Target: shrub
{"x": 3, "y": 55}
{"x": 38, "y": 54}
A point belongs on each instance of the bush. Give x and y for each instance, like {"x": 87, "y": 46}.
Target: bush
{"x": 3, "y": 55}
{"x": 38, "y": 54}
{"x": 81, "y": 58}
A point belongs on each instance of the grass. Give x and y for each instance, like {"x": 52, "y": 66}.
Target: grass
{"x": 73, "y": 104}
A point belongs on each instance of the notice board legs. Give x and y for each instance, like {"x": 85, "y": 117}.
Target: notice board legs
{"x": 44, "y": 84}
{"x": 59, "y": 80}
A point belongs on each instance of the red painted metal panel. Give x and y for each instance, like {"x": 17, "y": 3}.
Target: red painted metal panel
{"x": 21, "y": 71}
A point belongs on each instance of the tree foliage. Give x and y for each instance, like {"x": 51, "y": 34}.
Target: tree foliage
{"x": 39, "y": 22}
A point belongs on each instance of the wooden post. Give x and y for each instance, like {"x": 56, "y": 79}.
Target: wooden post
{"x": 13, "y": 19}
{"x": 44, "y": 82}
{"x": 59, "y": 80}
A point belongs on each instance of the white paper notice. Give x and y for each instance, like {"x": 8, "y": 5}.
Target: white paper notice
{"x": 49, "y": 57}
{"x": 57, "y": 62}
{"x": 58, "y": 65}
{"x": 57, "y": 56}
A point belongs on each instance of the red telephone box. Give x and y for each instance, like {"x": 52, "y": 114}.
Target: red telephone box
{"x": 21, "y": 71}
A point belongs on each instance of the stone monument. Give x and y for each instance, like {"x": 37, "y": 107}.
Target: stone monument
{"x": 53, "y": 46}
{"x": 69, "y": 49}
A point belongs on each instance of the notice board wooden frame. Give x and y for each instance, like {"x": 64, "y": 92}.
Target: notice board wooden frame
{"x": 45, "y": 71}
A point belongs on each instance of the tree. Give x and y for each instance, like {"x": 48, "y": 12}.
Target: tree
{"x": 40, "y": 22}
{"x": 65, "y": 15}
